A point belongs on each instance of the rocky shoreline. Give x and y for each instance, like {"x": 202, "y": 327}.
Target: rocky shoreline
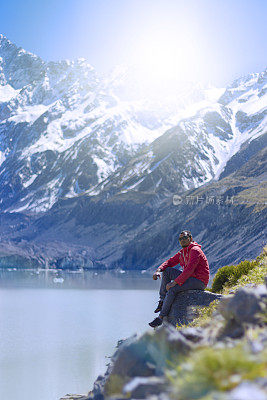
{"x": 155, "y": 365}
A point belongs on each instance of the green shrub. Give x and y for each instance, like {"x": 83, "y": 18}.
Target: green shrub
{"x": 215, "y": 369}
{"x": 230, "y": 274}
{"x": 221, "y": 278}
{"x": 241, "y": 269}
{"x": 255, "y": 276}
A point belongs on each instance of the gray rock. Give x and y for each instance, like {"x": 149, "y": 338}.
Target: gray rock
{"x": 192, "y": 334}
{"x": 173, "y": 341}
{"x": 146, "y": 355}
{"x": 161, "y": 396}
{"x": 263, "y": 337}
{"x": 141, "y": 388}
{"x": 232, "y": 329}
{"x": 179, "y": 313}
{"x": 115, "y": 397}
{"x": 262, "y": 383}
{"x": 134, "y": 360}
{"x": 261, "y": 291}
{"x": 75, "y": 397}
{"x": 143, "y": 357}
{"x": 97, "y": 392}
{"x": 256, "y": 346}
{"x": 243, "y": 307}
{"x": 247, "y": 391}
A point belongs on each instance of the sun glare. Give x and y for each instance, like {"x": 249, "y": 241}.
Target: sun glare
{"x": 165, "y": 59}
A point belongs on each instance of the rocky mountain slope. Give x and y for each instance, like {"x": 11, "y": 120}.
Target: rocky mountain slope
{"x": 87, "y": 177}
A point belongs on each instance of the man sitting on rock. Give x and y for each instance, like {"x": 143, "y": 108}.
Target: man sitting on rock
{"x": 195, "y": 275}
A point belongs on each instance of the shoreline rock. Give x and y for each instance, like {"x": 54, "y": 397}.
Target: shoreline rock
{"x": 137, "y": 368}
{"x": 180, "y": 310}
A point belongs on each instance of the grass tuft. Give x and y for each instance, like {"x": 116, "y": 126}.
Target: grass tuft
{"x": 203, "y": 315}
{"x": 241, "y": 274}
{"x": 230, "y": 274}
{"x": 215, "y": 369}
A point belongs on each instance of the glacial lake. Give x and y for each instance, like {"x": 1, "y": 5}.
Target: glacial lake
{"x": 57, "y": 329}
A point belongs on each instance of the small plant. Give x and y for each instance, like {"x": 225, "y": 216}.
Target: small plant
{"x": 240, "y": 270}
{"x": 221, "y": 278}
{"x": 215, "y": 369}
{"x": 203, "y": 315}
{"x": 229, "y": 275}
{"x": 255, "y": 276}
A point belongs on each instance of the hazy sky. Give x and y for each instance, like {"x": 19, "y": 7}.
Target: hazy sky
{"x": 210, "y": 40}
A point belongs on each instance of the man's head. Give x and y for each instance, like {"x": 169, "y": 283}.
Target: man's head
{"x": 185, "y": 238}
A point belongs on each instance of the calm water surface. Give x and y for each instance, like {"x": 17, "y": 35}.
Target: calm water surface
{"x": 56, "y": 330}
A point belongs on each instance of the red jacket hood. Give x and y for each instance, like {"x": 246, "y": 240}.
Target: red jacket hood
{"x": 192, "y": 244}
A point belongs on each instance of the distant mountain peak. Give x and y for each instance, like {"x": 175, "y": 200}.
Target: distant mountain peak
{"x": 18, "y": 67}
{"x": 66, "y": 130}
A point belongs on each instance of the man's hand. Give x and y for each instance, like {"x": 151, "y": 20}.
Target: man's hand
{"x": 170, "y": 285}
{"x": 156, "y": 275}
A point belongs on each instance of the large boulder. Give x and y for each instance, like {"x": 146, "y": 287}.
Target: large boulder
{"x": 184, "y": 301}
{"x": 245, "y": 306}
{"x": 144, "y": 357}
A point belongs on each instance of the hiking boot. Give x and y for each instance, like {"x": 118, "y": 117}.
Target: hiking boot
{"x": 159, "y": 307}
{"x": 156, "y": 322}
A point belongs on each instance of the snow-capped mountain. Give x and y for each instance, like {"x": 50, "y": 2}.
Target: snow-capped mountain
{"x": 65, "y": 131}
{"x": 93, "y": 161}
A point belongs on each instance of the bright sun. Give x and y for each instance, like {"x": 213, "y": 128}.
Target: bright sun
{"x": 164, "y": 59}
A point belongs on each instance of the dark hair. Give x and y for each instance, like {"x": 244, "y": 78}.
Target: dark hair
{"x": 186, "y": 233}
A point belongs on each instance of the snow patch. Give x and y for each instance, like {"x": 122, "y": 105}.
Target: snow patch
{"x": 255, "y": 105}
{"x": 7, "y": 92}
{"x": 2, "y": 157}
{"x": 104, "y": 168}
{"x": 30, "y": 181}
{"x": 132, "y": 186}
{"x": 28, "y": 114}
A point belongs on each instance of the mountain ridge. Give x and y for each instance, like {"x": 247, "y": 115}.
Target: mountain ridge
{"x": 70, "y": 145}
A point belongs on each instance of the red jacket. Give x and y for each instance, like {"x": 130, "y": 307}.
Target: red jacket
{"x": 193, "y": 261}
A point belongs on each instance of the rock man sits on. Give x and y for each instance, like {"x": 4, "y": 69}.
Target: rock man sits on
{"x": 195, "y": 275}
